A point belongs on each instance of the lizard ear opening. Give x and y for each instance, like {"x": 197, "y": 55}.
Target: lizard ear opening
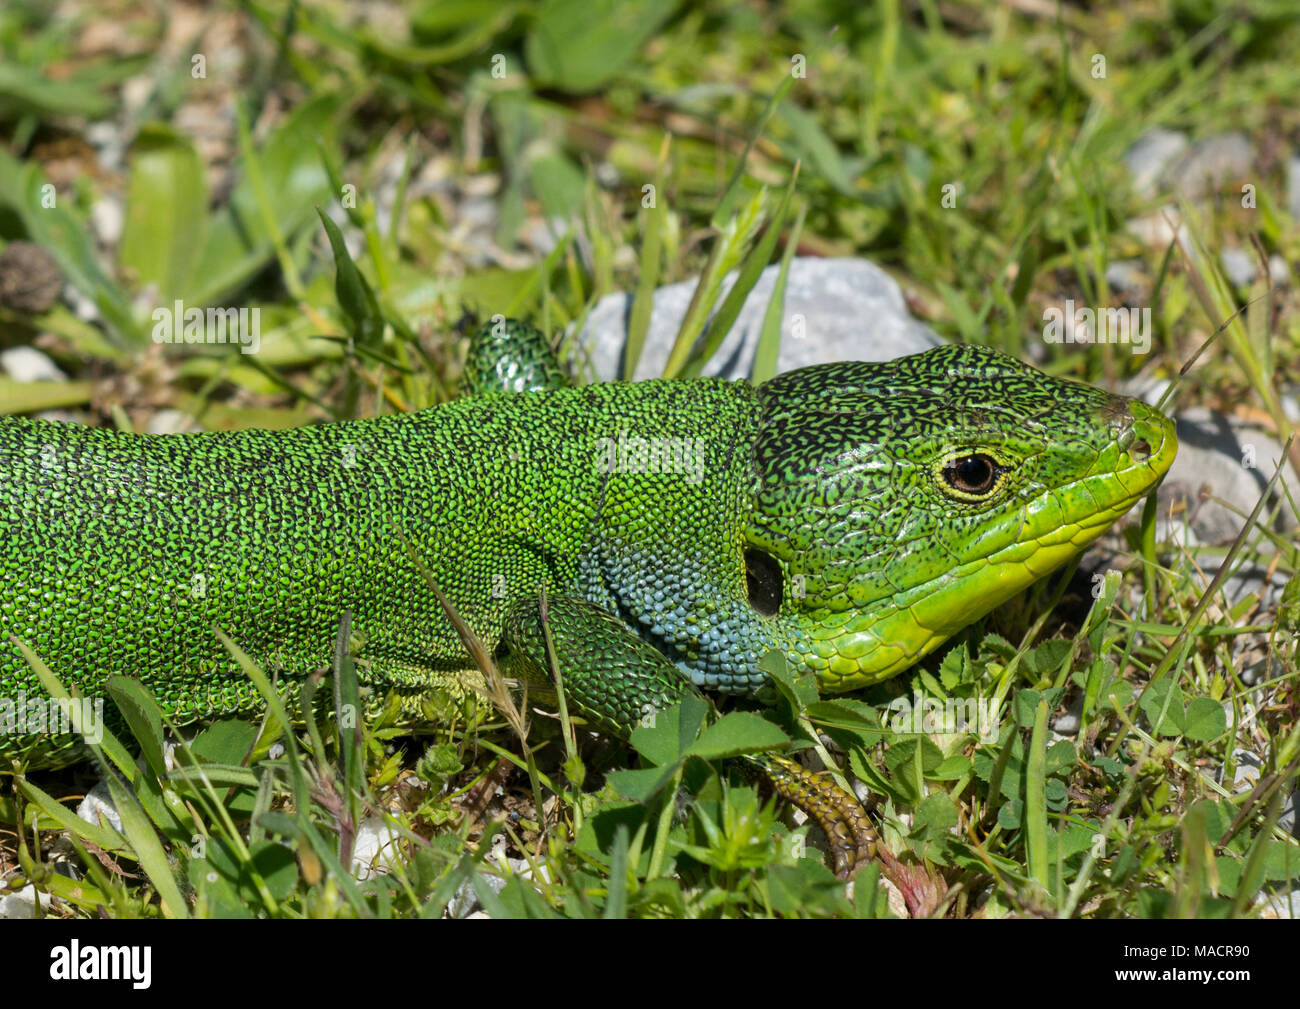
{"x": 763, "y": 577}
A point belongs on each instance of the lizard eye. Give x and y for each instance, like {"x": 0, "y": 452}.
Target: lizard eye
{"x": 974, "y": 475}
{"x": 763, "y": 578}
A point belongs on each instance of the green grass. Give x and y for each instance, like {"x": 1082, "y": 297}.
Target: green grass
{"x": 1126, "y": 817}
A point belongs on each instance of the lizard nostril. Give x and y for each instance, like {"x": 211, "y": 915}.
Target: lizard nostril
{"x": 763, "y": 579}
{"x": 1141, "y": 449}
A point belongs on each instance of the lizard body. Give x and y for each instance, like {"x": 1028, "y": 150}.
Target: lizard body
{"x": 850, "y": 516}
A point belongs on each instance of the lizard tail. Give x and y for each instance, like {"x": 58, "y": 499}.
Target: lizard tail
{"x": 839, "y": 814}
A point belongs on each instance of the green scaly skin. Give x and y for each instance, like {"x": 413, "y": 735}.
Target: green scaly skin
{"x": 682, "y": 530}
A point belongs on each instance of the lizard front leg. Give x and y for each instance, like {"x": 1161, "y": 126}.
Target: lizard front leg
{"x": 616, "y": 680}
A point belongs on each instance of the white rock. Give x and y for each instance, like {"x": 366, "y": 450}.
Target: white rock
{"x": 1157, "y": 230}
{"x": 82, "y": 307}
{"x": 465, "y": 902}
{"x": 169, "y": 421}
{"x": 1279, "y": 905}
{"x": 21, "y": 903}
{"x": 1151, "y": 155}
{"x": 98, "y": 808}
{"x": 375, "y": 850}
{"x": 1293, "y": 187}
{"x": 1068, "y": 723}
{"x": 27, "y": 364}
{"x": 1239, "y": 265}
{"x": 835, "y": 310}
{"x": 107, "y": 218}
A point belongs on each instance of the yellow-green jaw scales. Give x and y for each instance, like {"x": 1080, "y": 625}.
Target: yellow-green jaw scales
{"x": 900, "y": 502}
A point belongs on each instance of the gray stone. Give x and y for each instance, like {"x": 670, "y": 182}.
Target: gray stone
{"x": 1234, "y": 462}
{"x": 845, "y": 309}
{"x": 1249, "y": 579}
{"x": 1239, "y": 265}
{"x": 1246, "y": 771}
{"x": 1242, "y": 267}
{"x": 1163, "y": 161}
{"x": 465, "y": 903}
{"x": 1287, "y": 819}
{"x": 1126, "y": 275}
{"x": 1153, "y": 153}
{"x": 1293, "y": 187}
{"x": 1290, "y": 396}
{"x": 1212, "y": 163}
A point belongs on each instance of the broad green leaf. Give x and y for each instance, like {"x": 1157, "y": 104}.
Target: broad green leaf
{"x": 1045, "y": 659}
{"x": 1163, "y": 703}
{"x": 142, "y": 715}
{"x": 817, "y": 149}
{"x": 557, "y": 183}
{"x": 933, "y": 816}
{"x": 351, "y": 288}
{"x": 1060, "y": 754}
{"x": 639, "y": 784}
{"x": 148, "y": 849}
{"x": 1206, "y": 720}
{"x": 29, "y": 397}
{"x": 581, "y": 45}
{"x": 239, "y": 244}
{"x": 277, "y": 866}
{"x": 800, "y": 692}
{"x": 664, "y": 736}
{"x": 26, "y": 91}
{"x": 225, "y": 742}
{"x": 167, "y": 213}
{"x": 952, "y": 768}
{"x": 736, "y": 733}
{"x": 487, "y": 23}
{"x": 845, "y": 714}
{"x": 1070, "y": 841}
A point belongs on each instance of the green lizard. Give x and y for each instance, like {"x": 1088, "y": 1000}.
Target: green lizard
{"x": 850, "y": 517}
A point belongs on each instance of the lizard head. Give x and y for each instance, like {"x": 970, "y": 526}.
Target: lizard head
{"x": 898, "y": 503}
